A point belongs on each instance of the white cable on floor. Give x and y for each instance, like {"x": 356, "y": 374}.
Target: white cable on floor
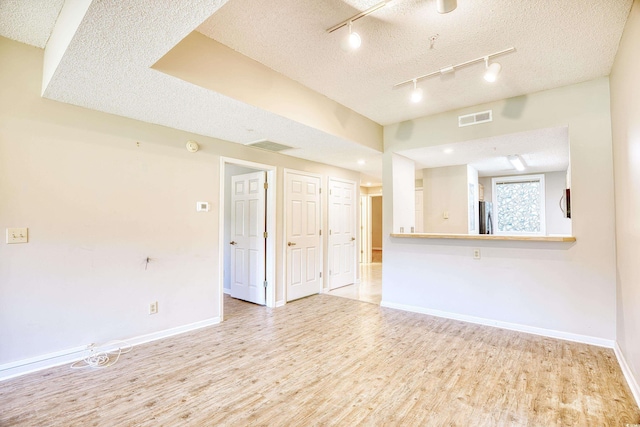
{"x": 105, "y": 358}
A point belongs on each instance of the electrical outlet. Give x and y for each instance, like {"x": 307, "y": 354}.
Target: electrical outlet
{"x": 476, "y": 254}
{"x": 153, "y": 307}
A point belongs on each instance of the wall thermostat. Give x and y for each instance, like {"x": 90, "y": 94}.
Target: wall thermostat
{"x": 202, "y": 207}
{"x": 192, "y": 146}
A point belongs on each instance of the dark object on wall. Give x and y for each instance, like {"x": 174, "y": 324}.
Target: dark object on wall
{"x": 566, "y": 198}
{"x": 486, "y": 217}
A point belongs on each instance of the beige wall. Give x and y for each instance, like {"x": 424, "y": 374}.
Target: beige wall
{"x": 100, "y": 194}
{"x": 625, "y": 117}
{"x": 376, "y": 222}
{"x": 562, "y": 289}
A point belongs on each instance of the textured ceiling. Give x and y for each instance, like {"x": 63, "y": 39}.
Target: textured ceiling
{"x": 544, "y": 150}
{"x": 107, "y": 64}
{"x": 29, "y": 21}
{"x": 558, "y": 43}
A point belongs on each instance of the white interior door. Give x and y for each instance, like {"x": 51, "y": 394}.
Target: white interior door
{"x": 342, "y": 233}
{"x": 248, "y": 226}
{"x": 303, "y": 235}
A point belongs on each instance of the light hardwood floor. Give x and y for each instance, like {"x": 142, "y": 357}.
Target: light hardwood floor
{"x": 325, "y": 360}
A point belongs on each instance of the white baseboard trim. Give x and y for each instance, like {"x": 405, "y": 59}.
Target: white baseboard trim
{"x": 70, "y": 355}
{"x": 567, "y": 336}
{"x": 280, "y": 303}
{"x": 628, "y": 375}
{"x": 226, "y": 291}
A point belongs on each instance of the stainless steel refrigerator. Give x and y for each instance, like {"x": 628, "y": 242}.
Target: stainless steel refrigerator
{"x": 486, "y": 217}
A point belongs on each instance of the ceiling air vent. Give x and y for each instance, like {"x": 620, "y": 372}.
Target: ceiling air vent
{"x": 269, "y": 145}
{"x": 475, "y": 118}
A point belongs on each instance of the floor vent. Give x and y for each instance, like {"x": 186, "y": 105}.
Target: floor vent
{"x": 269, "y": 145}
{"x": 475, "y": 118}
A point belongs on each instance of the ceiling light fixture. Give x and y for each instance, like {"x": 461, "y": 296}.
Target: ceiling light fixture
{"x": 416, "y": 93}
{"x": 354, "y": 39}
{"x": 448, "y": 150}
{"x": 361, "y": 162}
{"x": 493, "y": 70}
{"x": 452, "y": 68}
{"x": 517, "y": 162}
{"x": 446, "y": 6}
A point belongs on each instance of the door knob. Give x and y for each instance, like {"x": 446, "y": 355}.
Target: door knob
{"x": 232, "y": 243}
{"x": 353, "y": 238}
{"x": 291, "y": 244}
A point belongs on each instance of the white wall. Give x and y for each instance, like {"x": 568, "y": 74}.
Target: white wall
{"x": 625, "y": 117}
{"x": 567, "y": 288}
{"x": 555, "y": 185}
{"x": 445, "y": 191}
{"x": 100, "y": 194}
{"x": 472, "y": 201}
{"x": 403, "y": 194}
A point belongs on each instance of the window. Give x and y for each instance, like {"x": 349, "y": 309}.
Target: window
{"x": 519, "y": 204}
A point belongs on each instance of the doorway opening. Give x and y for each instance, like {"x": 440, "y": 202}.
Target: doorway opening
{"x": 247, "y": 232}
{"x": 371, "y": 225}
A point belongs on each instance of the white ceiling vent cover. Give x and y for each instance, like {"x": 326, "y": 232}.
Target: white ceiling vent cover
{"x": 269, "y": 145}
{"x": 475, "y": 118}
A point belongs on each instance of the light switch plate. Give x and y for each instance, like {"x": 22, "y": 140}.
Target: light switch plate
{"x": 17, "y": 235}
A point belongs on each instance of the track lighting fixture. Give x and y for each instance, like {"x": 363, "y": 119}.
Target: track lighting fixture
{"x": 446, "y": 6}
{"x": 492, "y": 71}
{"x": 416, "y": 93}
{"x": 354, "y": 40}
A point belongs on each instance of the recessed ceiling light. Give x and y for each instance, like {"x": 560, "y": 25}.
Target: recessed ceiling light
{"x": 448, "y": 150}
{"x": 361, "y": 162}
{"x": 516, "y": 162}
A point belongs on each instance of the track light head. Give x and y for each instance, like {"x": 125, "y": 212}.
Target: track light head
{"x": 354, "y": 38}
{"x": 493, "y": 69}
{"x": 416, "y": 93}
{"x": 446, "y": 6}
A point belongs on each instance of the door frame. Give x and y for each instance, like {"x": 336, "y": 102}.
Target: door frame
{"x": 284, "y": 265}
{"x": 356, "y": 228}
{"x": 270, "y": 261}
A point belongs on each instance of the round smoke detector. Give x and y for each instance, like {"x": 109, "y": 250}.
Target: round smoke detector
{"x": 192, "y": 146}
